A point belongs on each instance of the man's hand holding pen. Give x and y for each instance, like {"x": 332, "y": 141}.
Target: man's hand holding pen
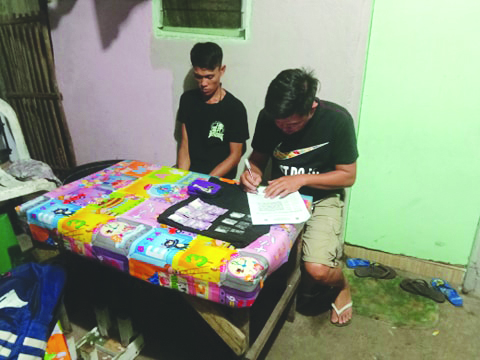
{"x": 250, "y": 179}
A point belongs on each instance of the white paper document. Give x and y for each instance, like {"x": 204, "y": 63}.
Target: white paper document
{"x": 288, "y": 210}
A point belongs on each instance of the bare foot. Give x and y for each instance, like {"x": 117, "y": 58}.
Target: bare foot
{"x": 344, "y": 298}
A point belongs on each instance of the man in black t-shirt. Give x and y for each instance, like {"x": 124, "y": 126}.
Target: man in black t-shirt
{"x": 313, "y": 149}
{"x": 214, "y": 122}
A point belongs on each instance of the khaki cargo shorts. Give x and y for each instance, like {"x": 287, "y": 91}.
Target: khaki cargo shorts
{"x": 322, "y": 243}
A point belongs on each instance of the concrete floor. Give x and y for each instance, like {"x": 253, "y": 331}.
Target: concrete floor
{"x": 314, "y": 338}
{"x": 174, "y": 331}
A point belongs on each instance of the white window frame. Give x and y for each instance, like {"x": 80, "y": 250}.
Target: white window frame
{"x": 161, "y": 31}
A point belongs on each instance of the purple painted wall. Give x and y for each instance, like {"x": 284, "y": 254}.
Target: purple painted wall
{"x": 121, "y": 85}
{"x": 117, "y": 104}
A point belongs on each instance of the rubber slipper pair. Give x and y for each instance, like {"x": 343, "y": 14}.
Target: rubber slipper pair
{"x": 357, "y": 262}
{"x": 377, "y": 271}
{"x": 448, "y": 291}
{"x": 421, "y": 287}
{"x": 340, "y": 312}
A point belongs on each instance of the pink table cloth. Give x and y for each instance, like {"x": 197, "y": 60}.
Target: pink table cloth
{"x": 112, "y": 216}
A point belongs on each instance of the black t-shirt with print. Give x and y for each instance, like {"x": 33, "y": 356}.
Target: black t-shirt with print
{"x": 211, "y": 128}
{"x": 327, "y": 140}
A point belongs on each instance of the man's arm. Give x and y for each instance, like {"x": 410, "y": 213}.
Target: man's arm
{"x": 342, "y": 177}
{"x": 230, "y": 162}
{"x": 258, "y": 162}
{"x": 183, "y": 158}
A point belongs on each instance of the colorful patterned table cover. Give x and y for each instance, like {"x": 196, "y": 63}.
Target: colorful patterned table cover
{"x": 112, "y": 216}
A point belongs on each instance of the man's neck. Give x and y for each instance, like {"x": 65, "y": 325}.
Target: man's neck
{"x": 216, "y": 97}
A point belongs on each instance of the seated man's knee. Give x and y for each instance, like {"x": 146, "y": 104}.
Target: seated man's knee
{"x": 318, "y": 272}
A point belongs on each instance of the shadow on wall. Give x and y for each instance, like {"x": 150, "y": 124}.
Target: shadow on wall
{"x": 110, "y": 15}
{"x": 189, "y": 83}
{"x": 57, "y": 9}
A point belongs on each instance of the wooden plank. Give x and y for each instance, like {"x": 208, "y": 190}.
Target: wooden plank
{"x": 7, "y": 76}
{"x": 17, "y": 56}
{"x": 235, "y": 331}
{"x": 41, "y": 56}
{"x": 62, "y": 158}
{"x": 30, "y": 59}
{"x": 44, "y": 127}
{"x": 22, "y": 51}
{"x": 13, "y": 63}
{"x": 277, "y": 312}
{"x": 36, "y": 95}
{"x": 60, "y": 119}
{"x": 8, "y": 20}
{"x": 48, "y": 56}
{"x": 63, "y": 318}
{"x": 213, "y": 315}
{"x": 40, "y": 120}
{"x": 296, "y": 259}
{"x": 30, "y": 83}
{"x": 56, "y": 133}
{"x": 26, "y": 120}
{"x": 36, "y": 63}
{"x": 241, "y": 319}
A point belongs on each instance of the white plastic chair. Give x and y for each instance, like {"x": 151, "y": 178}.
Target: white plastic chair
{"x": 10, "y": 187}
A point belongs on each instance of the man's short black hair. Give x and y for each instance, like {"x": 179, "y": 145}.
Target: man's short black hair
{"x": 291, "y": 92}
{"x": 207, "y": 55}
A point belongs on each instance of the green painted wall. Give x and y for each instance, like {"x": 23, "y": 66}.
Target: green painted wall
{"x": 418, "y": 184}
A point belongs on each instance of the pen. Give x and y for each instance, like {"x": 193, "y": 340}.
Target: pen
{"x": 249, "y": 168}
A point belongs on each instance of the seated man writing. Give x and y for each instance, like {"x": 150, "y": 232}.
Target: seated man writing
{"x": 313, "y": 149}
{"x": 214, "y": 122}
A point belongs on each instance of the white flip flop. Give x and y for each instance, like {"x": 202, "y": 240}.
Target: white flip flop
{"x": 340, "y": 312}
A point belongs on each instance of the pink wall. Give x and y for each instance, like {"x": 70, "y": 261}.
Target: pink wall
{"x": 117, "y": 104}
{"x": 121, "y": 85}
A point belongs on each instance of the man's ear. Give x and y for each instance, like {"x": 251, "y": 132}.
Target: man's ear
{"x": 314, "y": 106}
{"x": 222, "y": 69}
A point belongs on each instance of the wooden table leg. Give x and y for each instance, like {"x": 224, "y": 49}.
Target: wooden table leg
{"x": 233, "y": 325}
{"x": 295, "y": 262}
{"x": 102, "y": 314}
{"x": 63, "y": 317}
{"x": 277, "y": 312}
{"x": 216, "y": 316}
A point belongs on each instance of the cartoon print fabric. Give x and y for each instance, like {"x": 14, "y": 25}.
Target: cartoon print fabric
{"x": 212, "y": 252}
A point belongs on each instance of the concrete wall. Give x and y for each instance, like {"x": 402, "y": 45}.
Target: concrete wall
{"x": 418, "y": 190}
{"x": 121, "y": 85}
